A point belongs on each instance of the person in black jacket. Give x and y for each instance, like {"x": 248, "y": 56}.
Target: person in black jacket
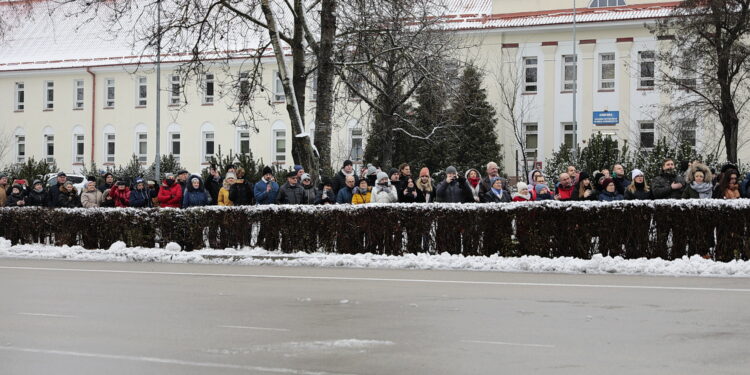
{"x": 409, "y": 192}
{"x": 454, "y": 189}
{"x": 54, "y": 190}
{"x": 241, "y": 192}
{"x": 310, "y": 193}
{"x": 109, "y": 182}
{"x": 339, "y": 180}
{"x": 16, "y": 197}
{"x": 584, "y": 191}
{"x": 37, "y": 195}
{"x": 68, "y": 197}
{"x": 638, "y": 189}
{"x": 141, "y": 196}
{"x": 290, "y": 192}
{"x": 669, "y": 184}
{"x": 497, "y": 193}
{"x": 214, "y": 184}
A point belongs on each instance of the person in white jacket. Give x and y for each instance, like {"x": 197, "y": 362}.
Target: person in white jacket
{"x": 384, "y": 192}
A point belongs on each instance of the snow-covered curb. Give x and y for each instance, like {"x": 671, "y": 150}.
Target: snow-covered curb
{"x": 118, "y": 252}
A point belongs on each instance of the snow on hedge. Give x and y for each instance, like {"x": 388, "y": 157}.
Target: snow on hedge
{"x": 118, "y": 252}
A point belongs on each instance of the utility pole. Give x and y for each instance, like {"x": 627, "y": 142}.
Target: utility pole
{"x": 575, "y": 81}
{"x": 157, "y": 161}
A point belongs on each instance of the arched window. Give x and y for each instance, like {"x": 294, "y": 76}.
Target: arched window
{"x": 48, "y": 144}
{"x": 278, "y": 134}
{"x": 243, "y": 138}
{"x": 20, "y": 138}
{"x": 141, "y": 142}
{"x": 174, "y": 140}
{"x": 109, "y": 144}
{"x": 208, "y": 133}
{"x": 78, "y": 144}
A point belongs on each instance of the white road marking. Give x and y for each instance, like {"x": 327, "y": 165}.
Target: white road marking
{"x": 164, "y": 361}
{"x": 460, "y": 282}
{"x": 508, "y": 343}
{"x": 47, "y": 315}
{"x": 257, "y": 328}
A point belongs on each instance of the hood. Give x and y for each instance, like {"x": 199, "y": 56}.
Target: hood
{"x": 189, "y": 184}
{"x": 466, "y": 175}
{"x": 708, "y": 177}
{"x": 531, "y": 174}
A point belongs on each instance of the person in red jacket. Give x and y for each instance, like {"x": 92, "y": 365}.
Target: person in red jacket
{"x": 170, "y": 194}
{"x": 564, "y": 189}
{"x": 120, "y": 194}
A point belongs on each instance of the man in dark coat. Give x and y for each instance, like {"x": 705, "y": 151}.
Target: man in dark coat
{"x": 54, "y": 190}
{"x": 454, "y": 189}
{"x": 339, "y": 180}
{"x": 109, "y": 182}
{"x": 620, "y": 178}
{"x": 669, "y": 184}
{"x": 486, "y": 184}
{"x": 241, "y": 193}
{"x": 213, "y": 184}
{"x": 38, "y": 197}
{"x": 291, "y": 192}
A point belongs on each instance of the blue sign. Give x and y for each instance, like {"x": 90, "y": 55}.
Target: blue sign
{"x": 607, "y": 118}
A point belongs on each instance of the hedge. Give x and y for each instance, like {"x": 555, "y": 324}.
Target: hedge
{"x": 633, "y": 229}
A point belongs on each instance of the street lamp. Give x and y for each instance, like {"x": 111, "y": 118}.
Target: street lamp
{"x": 157, "y": 161}
{"x": 575, "y": 81}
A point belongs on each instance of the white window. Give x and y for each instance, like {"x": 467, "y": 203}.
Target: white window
{"x": 569, "y": 72}
{"x": 646, "y": 60}
{"x": 244, "y": 88}
{"x": 20, "y": 148}
{"x": 208, "y": 88}
{"x": 78, "y": 148}
{"x": 606, "y": 3}
{"x": 208, "y": 146}
{"x": 357, "y": 150}
{"x": 647, "y": 135}
{"x": 570, "y": 139}
{"x": 530, "y": 74}
{"x": 109, "y": 93}
{"x": 531, "y": 139}
{"x": 687, "y": 132}
{"x": 19, "y": 97}
{"x": 244, "y": 141}
{"x": 279, "y": 144}
{"x": 49, "y": 95}
{"x": 278, "y": 88}
{"x": 77, "y": 94}
{"x": 142, "y": 92}
{"x": 174, "y": 90}
{"x": 314, "y": 88}
{"x": 109, "y": 144}
{"x": 607, "y": 71}
{"x": 142, "y": 146}
{"x": 49, "y": 148}
{"x": 174, "y": 145}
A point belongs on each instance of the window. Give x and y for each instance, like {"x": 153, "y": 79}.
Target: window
{"x": 570, "y": 138}
{"x": 244, "y": 139}
{"x": 279, "y": 146}
{"x": 607, "y": 71}
{"x": 569, "y": 72}
{"x": 531, "y": 139}
{"x": 109, "y": 93}
{"x": 142, "y": 146}
{"x": 20, "y": 148}
{"x": 646, "y": 62}
{"x": 278, "y": 88}
{"x": 109, "y": 140}
{"x": 244, "y": 94}
{"x": 49, "y": 95}
{"x": 530, "y": 74}
{"x": 174, "y": 145}
{"x": 49, "y": 148}
{"x": 174, "y": 90}
{"x": 314, "y": 88}
{"x": 687, "y": 79}
{"x": 208, "y": 88}
{"x": 208, "y": 146}
{"x": 357, "y": 150}
{"x": 19, "y": 97}
{"x": 78, "y": 148}
{"x": 142, "y": 92}
{"x": 687, "y": 132}
{"x": 78, "y": 94}
{"x": 647, "y": 135}
{"x": 606, "y": 3}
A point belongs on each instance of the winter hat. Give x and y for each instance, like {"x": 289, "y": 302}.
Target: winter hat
{"x": 306, "y": 176}
{"x": 381, "y": 175}
{"x": 195, "y": 178}
{"x": 138, "y": 181}
{"x": 347, "y": 162}
{"x": 3, "y": 175}
{"x": 635, "y": 173}
{"x": 17, "y": 186}
{"x": 298, "y": 167}
{"x": 121, "y": 183}
{"x": 597, "y": 176}
{"x": 493, "y": 180}
{"x": 37, "y": 182}
{"x": 291, "y": 174}
{"x": 584, "y": 175}
{"x": 267, "y": 170}
{"x": 371, "y": 170}
{"x": 327, "y": 181}
{"x": 62, "y": 174}
{"x": 393, "y": 171}
{"x": 424, "y": 172}
{"x": 606, "y": 182}
{"x": 66, "y": 183}
{"x": 451, "y": 169}
{"x": 168, "y": 175}
{"x": 728, "y": 166}
{"x": 522, "y": 186}
{"x": 230, "y": 175}
{"x": 182, "y": 171}
{"x": 540, "y": 187}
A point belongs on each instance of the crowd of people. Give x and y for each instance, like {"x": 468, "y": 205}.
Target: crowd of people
{"x": 373, "y": 185}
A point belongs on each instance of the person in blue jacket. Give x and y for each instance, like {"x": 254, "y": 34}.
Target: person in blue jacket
{"x": 195, "y": 194}
{"x": 266, "y": 189}
{"x": 346, "y": 193}
{"x": 141, "y": 196}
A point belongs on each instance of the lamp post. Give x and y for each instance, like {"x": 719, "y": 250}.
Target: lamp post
{"x": 575, "y": 81}
{"x": 157, "y": 161}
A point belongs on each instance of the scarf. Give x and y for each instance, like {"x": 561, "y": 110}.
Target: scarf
{"x": 732, "y": 193}
{"x": 526, "y": 196}
{"x": 704, "y": 189}
{"x": 474, "y": 181}
{"x": 499, "y": 193}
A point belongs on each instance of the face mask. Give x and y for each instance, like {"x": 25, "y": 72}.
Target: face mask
{"x": 170, "y": 182}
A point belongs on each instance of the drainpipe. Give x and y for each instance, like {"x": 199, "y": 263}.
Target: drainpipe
{"x": 93, "y": 112}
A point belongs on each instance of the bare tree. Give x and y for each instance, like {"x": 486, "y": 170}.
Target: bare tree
{"x": 5, "y": 145}
{"x": 706, "y": 65}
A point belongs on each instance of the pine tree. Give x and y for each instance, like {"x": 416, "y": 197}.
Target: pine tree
{"x": 475, "y": 121}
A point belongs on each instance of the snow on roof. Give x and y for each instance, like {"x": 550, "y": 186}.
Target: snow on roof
{"x": 42, "y": 39}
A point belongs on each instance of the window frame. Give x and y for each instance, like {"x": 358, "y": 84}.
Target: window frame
{"x": 531, "y": 153}
{"x": 49, "y": 95}
{"x": 602, "y": 63}
{"x": 526, "y": 67}
{"x": 646, "y": 79}
{"x": 278, "y": 97}
{"x": 109, "y": 93}
{"x": 172, "y": 142}
{"x": 78, "y": 88}
{"x": 109, "y": 157}
{"x": 49, "y": 142}
{"x": 356, "y": 158}
{"x": 597, "y": 3}
{"x": 569, "y": 132}
{"x": 204, "y": 145}
{"x": 243, "y": 135}
{"x": 279, "y": 157}
{"x": 141, "y": 138}
{"x": 565, "y": 65}
{"x": 19, "y": 97}
{"x": 141, "y": 101}
{"x": 175, "y": 90}
{"x": 78, "y": 158}
{"x": 20, "y": 148}
{"x": 208, "y": 82}
{"x": 642, "y": 131}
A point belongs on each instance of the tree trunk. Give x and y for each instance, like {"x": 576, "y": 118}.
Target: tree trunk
{"x": 304, "y": 153}
{"x": 326, "y": 70}
{"x": 299, "y": 85}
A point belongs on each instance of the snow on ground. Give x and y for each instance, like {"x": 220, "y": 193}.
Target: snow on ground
{"x": 118, "y": 252}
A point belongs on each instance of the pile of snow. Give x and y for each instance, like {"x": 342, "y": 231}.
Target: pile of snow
{"x": 118, "y": 252}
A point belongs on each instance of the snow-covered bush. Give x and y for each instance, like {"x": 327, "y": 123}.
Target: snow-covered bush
{"x": 634, "y": 229}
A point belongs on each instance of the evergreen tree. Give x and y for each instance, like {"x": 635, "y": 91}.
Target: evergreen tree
{"x": 475, "y": 139}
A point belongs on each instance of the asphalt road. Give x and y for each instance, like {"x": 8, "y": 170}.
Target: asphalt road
{"x": 60, "y": 317}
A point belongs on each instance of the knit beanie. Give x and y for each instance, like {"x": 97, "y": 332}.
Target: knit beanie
{"x": 371, "y": 170}
{"x": 267, "y": 170}
{"x": 381, "y": 175}
{"x": 451, "y": 169}
{"x": 424, "y": 172}
{"x": 522, "y": 186}
{"x": 230, "y": 175}
{"x": 635, "y": 173}
{"x": 540, "y": 187}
